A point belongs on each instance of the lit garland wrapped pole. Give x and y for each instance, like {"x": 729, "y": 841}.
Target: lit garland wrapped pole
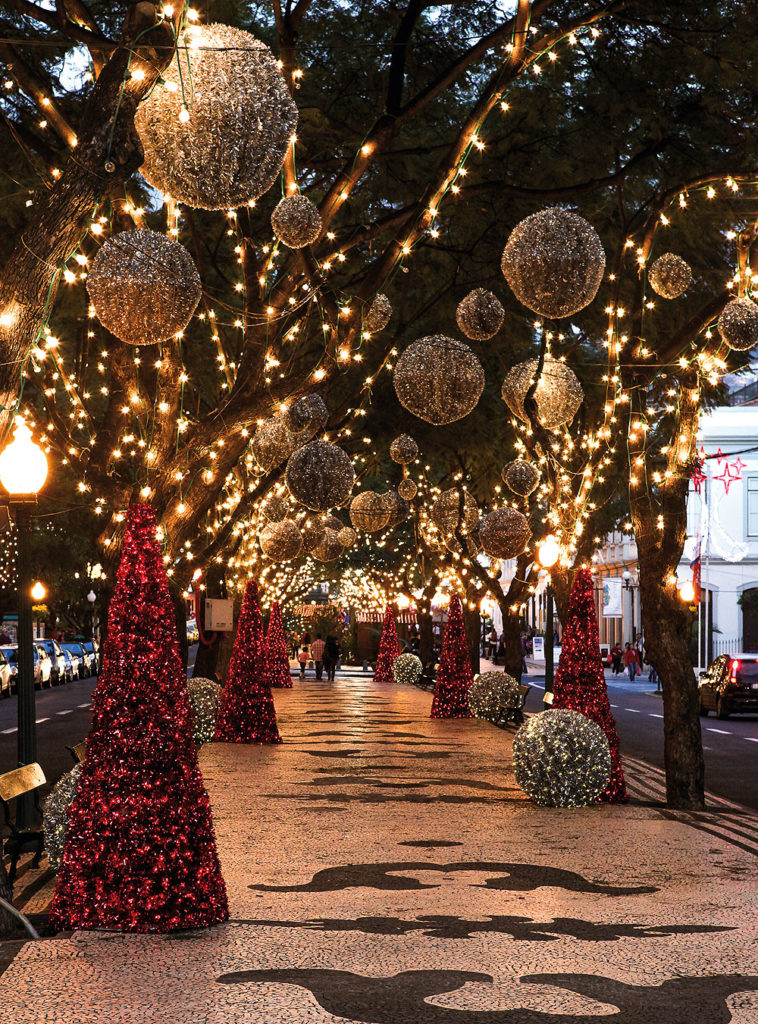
{"x": 277, "y": 660}
{"x": 454, "y": 675}
{"x": 204, "y": 698}
{"x": 580, "y": 680}
{"x": 246, "y": 713}
{"x": 140, "y": 851}
{"x": 55, "y": 815}
{"x": 389, "y": 648}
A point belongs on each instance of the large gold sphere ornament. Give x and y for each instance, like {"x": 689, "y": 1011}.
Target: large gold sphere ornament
{"x": 272, "y": 443}
{"x": 237, "y": 121}
{"x": 308, "y": 414}
{"x": 521, "y": 477}
{"x": 407, "y": 489}
{"x": 554, "y": 263}
{"x": 558, "y": 394}
{"x": 296, "y": 222}
{"x": 504, "y": 533}
{"x": 320, "y": 476}
{"x": 403, "y": 449}
{"x": 347, "y": 536}
{"x": 281, "y": 541}
{"x": 378, "y": 315}
{"x": 438, "y": 379}
{"x": 398, "y": 508}
{"x": 480, "y": 315}
{"x": 275, "y": 508}
{"x": 144, "y": 286}
{"x": 670, "y": 276}
{"x": 561, "y": 759}
{"x": 451, "y": 508}
{"x": 368, "y": 512}
{"x": 738, "y": 325}
{"x": 329, "y": 547}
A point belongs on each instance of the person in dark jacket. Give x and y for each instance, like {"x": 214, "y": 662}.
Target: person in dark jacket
{"x": 331, "y": 656}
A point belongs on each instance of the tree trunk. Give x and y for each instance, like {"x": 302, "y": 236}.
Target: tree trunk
{"x": 473, "y": 621}
{"x": 514, "y": 659}
{"x": 8, "y": 924}
{"x": 206, "y": 659}
{"x": 425, "y": 632}
{"x": 561, "y": 578}
{"x": 180, "y": 615}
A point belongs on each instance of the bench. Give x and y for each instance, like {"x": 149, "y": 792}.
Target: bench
{"x": 78, "y": 751}
{"x": 514, "y": 712}
{"x": 26, "y": 779}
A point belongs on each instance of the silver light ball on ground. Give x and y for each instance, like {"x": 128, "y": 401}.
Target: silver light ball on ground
{"x": 368, "y": 512}
{"x": 378, "y": 315}
{"x": 521, "y": 477}
{"x": 451, "y": 508}
{"x": 308, "y": 413}
{"x": 55, "y": 815}
{"x": 403, "y": 449}
{"x": 296, "y": 221}
{"x": 320, "y": 475}
{"x": 272, "y": 443}
{"x": 407, "y": 489}
{"x": 670, "y": 276}
{"x": 480, "y": 315}
{"x": 230, "y": 149}
{"x": 281, "y": 541}
{"x": 561, "y": 759}
{"x": 144, "y": 286}
{"x": 554, "y": 263}
{"x": 347, "y": 536}
{"x": 504, "y": 533}
{"x": 329, "y": 547}
{"x": 407, "y": 669}
{"x": 490, "y": 692}
{"x": 558, "y": 394}
{"x": 204, "y": 697}
{"x": 738, "y": 324}
{"x": 398, "y": 508}
{"x": 438, "y": 379}
{"x": 275, "y": 508}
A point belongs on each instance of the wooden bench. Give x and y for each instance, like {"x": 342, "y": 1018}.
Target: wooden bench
{"x": 78, "y": 751}
{"x": 26, "y": 779}
{"x": 514, "y": 712}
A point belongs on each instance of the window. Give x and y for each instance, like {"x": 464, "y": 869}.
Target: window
{"x": 751, "y": 490}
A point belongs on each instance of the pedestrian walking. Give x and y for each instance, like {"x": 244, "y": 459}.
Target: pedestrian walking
{"x": 332, "y": 652}
{"x": 492, "y": 644}
{"x": 653, "y": 678}
{"x": 524, "y": 650}
{"x": 302, "y": 657}
{"x": 631, "y": 661}
{"x": 317, "y": 653}
{"x": 616, "y": 655}
{"x": 295, "y": 643}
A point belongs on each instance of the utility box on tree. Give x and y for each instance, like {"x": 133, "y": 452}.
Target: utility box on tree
{"x": 219, "y": 614}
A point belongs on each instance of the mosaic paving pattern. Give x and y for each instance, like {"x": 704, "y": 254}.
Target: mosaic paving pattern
{"x": 383, "y": 868}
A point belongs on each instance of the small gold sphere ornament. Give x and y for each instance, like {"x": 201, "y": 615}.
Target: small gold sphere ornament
{"x": 308, "y": 413}
{"x": 504, "y": 533}
{"x": 438, "y": 379}
{"x": 275, "y": 508}
{"x": 320, "y": 476}
{"x": 378, "y": 315}
{"x": 272, "y": 443}
{"x": 347, "y": 536}
{"x": 558, "y": 394}
{"x": 407, "y": 669}
{"x": 328, "y": 548}
{"x": 490, "y": 692}
{"x": 368, "y": 512}
{"x": 670, "y": 276}
{"x": 144, "y": 286}
{"x": 398, "y": 508}
{"x": 521, "y": 477}
{"x": 312, "y": 531}
{"x": 407, "y": 489}
{"x": 554, "y": 263}
{"x": 281, "y": 541}
{"x": 216, "y": 130}
{"x": 561, "y": 759}
{"x": 296, "y": 221}
{"x": 738, "y": 324}
{"x": 480, "y": 315}
{"x": 403, "y": 449}
{"x": 452, "y": 507}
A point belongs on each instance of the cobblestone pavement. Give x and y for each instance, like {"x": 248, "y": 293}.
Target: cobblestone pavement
{"x": 384, "y": 868}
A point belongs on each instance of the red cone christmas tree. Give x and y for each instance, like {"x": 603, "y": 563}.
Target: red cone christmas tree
{"x": 580, "y": 680}
{"x": 277, "y": 659}
{"x": 454, "y": 675}
{"x": 140, "y": 852}
{"x": 389, "y": 648}
{"x": 246, "y": 712}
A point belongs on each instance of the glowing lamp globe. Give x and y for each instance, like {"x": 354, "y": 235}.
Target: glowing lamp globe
{"x": 687, "y": 592}
{"x": 549, "y": 551}
{"x": 38, "y": 591}
{"x": 23, "y": 464}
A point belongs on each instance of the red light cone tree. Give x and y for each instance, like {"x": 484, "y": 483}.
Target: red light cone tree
{"x": 140, "y": 852}
{"x": 246, "y": 713}
{"x": 389, "y": 648}
{"x": 580, "y": 680}
{"x": 454, "y": 676}
{"x": 277, "y": 659}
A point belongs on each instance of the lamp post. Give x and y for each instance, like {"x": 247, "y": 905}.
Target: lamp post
{"x": 629, "y": 587}
{"x": 23, "y": 471}
{"x": 92, "y": 597}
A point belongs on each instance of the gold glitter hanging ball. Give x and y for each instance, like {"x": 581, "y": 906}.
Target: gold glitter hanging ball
{"x": 331, "y": 523}
{"x": 504, "y": 533}
{"x": 480, "y": 315}
{"x": 738, "y": 324}
{"x": 554, "y": 263}
{"x": 329, "y": 548}
{"x": 281, "y": 541}
{"x": 307, "y": 413}
{"x": 312, "y": 531}
{"x": 320, "y": 476}
{"x": 521, "y": 476}
{"x": 204, "y": 697}
{"x": 407, "y": 669}
{"x": 275, "y": 508}
{"x": 378, "y": 315}
{"x": 368, "y": 512}
{"x": 296, "y": 221}
{"x": 438, "y": 379}
{"x": 144, "y": 286}
{"x": 272, "y": 443}
{"x": 490, "y": 692}
{"x": 407, "y": 489}
{"x": 55, "y": 816}
{"x": 347, "y": 536}
{"x": 670, "y": 276}
{"x": 558, "y": 394}
{"x": 398, "y": 508}
{"x": 231, "y": 148}
{"x": 447, "y": 511}
{"x": 403, "y": 449}
{"x": 561, "y": 759}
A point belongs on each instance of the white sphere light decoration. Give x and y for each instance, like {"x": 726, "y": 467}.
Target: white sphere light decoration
{"x": 407, "y": 669}
{"x": 23, "y": 464}
{"x": 561, "y": 759}
{"x": 490, "y": 692}
{"x": 549, "y": 551}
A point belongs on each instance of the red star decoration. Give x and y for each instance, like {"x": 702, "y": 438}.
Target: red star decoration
{"x": 727, "y": 477}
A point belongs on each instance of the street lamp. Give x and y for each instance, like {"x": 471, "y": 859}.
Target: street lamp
{"x": 92, "y": 597}
{"x": 23, "y": 471}
{"x": 629, "y": 587}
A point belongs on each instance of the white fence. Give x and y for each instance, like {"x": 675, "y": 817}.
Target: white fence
{"x": 726, "y": 645}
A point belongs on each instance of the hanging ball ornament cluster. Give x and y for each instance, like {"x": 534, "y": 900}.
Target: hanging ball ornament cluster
{"x": 554, "y": 263}
{"x": 738, "y": 324}
{"x": 407, "y": 489}
{"x": 403, "y": 449}
{"x": 438, "y": 379}
{"x": 329, "y": 547}
{"x": 281, "y": 541}
{"x": 378, "y": 315}
{"x": 144, "y": 286}
{"x": 296, "y": 222}
{"x": 521, "y": 477}
{"x": 670, "y": 276}
{"x": 275, "y": 508}
{"x": 490, "y": 692}
{"x": 368, "y": 512}
{"x": 320, "y": 476}
{"x": 308, "y": 413}
{"x": 237, "y": 121}
{"x": 557, "y": 396}
{"x": 312, "y": 532}
{"x": 561, "y": 759}
{"x": 272, "y": 443}
{"x": 450, "y": 508}
{"x": 504, "y": 533}
{"x": 55, "y": 815}
{"x": 407, "y": 669}
{"x": 347, "y": 536}
{"x": 397, "y": 507}
{"x": 480, "y": 315}
{"x": 204, "y": 697}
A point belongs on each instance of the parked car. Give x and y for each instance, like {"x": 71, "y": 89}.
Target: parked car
{"x": 57, "y": 660}
{"x": 94, "y": 655}
{"x": 193, "y": 633}
{"x": 44, "y": 661}
{"x": 78, "y": 650}
{"x": 5, "y": 676}
{"x": 730, "y": 686}
{"x": 72, "y": 665}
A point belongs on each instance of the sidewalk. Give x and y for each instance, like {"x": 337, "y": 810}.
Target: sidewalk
{"x": 385, "y": 868}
